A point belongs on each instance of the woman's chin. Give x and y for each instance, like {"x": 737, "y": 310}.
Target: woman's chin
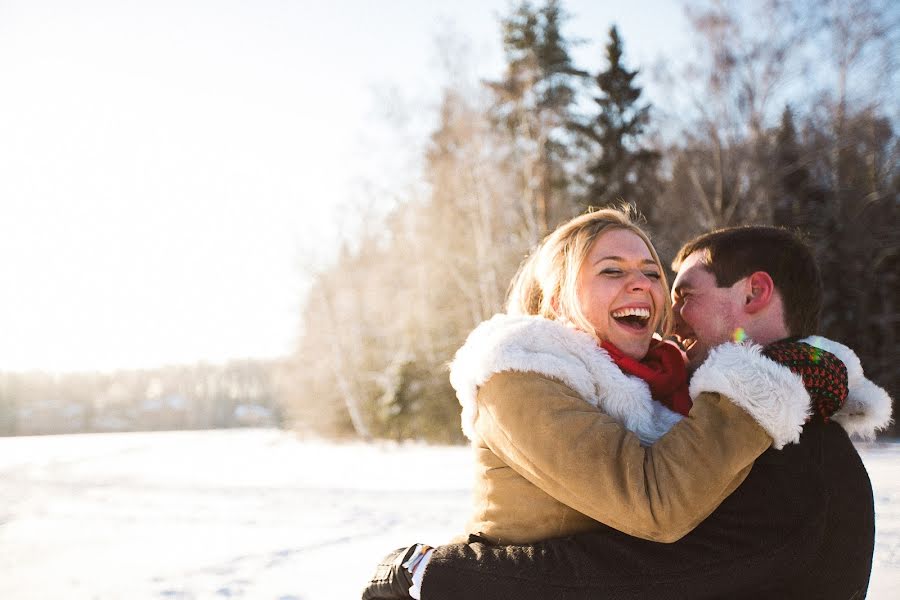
{"x": 636, "y": 349}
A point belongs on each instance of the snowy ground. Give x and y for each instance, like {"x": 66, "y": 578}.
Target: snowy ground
{"x": 253, "y": 514}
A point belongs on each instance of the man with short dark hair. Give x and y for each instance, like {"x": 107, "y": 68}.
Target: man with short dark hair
{"x": 801, "y": 525}
{"x": 747, "y": 256}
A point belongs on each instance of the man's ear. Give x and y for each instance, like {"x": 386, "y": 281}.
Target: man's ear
{"x": 759, "y": 292}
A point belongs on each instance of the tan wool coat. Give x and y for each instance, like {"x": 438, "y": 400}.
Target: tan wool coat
{"x": 564, "y": 440}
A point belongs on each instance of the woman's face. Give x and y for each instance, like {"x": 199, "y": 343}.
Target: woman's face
{"x": 620, "y": 291}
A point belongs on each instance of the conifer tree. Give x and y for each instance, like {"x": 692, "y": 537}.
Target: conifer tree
{"x": 534, "y": 105}
{"x": 796, "y": 199}
{"x": 623, "y": 168}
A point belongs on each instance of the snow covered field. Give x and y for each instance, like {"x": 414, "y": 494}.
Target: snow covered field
{"x": 253, "y": 514}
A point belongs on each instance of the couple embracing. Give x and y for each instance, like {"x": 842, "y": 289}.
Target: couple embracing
{"x": 604, "y": 471}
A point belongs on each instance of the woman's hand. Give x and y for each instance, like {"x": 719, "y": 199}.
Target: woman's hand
{"x": 823, "y": 374}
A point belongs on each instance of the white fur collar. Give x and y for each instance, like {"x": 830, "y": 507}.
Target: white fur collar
{"x": 539, "y": 345}
{"x": 868, "y": 407}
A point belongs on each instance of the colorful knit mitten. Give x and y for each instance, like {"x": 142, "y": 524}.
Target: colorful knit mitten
{"x": 824, "y": 375}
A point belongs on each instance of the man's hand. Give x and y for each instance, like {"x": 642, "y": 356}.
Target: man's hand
{"x": 393, "y": 576}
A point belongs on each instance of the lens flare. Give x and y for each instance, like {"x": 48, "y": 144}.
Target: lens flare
{"x": 815, "y": 354}
{"x": 739, "y": 335}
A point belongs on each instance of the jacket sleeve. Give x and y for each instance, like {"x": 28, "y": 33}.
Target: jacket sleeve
{"x": 588, "y": 461}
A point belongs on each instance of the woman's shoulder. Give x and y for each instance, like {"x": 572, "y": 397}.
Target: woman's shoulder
{"x": 547, "y": 351}
{"x": 526, "y": 343}
{"x": 524, "y": 384}
{"x": 517, "y": 344}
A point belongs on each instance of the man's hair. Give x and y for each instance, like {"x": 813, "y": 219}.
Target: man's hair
{"x": 547, "y": 281}
{"x": 736, "y": 252}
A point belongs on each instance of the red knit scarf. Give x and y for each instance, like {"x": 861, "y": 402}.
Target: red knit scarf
{"x": 664, "y": 371}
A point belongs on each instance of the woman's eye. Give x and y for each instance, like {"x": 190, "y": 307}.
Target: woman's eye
{"x": 613, "y": 272}
{"x": 653, "y": 275}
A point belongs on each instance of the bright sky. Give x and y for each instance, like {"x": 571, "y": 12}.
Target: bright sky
{"x": 168, "y": 168}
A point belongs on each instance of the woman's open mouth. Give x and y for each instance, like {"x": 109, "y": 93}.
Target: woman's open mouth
{"x": 633, "y": 319}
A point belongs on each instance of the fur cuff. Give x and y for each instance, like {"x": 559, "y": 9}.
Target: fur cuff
{"x": 868, "y": 407}
{"x": 771, "y": 393}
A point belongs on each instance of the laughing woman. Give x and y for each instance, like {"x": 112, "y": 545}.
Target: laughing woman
{"x": 567, "y": 397}
{"x": 579, "y": 414}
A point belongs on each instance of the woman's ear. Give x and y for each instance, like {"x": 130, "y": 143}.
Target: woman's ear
{"x": 759, "y": 292}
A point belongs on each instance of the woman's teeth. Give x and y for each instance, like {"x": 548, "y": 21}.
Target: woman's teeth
{"x": 643, "y": 313}
{"x": 634, "y": 318}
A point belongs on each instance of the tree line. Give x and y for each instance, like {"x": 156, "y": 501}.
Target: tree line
{"x": 236, "y": 394}
{"x": 782, "y": 116}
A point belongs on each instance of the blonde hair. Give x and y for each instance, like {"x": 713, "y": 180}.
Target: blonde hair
{"x": 547, "y": 281}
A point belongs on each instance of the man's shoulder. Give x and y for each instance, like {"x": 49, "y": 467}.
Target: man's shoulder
{"x": 825, "y": 462}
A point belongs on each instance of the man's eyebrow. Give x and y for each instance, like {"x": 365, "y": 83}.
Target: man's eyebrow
{"x": 646, "y": 261}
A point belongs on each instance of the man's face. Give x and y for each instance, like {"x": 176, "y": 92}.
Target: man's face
{"x": 705, "y": 315}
